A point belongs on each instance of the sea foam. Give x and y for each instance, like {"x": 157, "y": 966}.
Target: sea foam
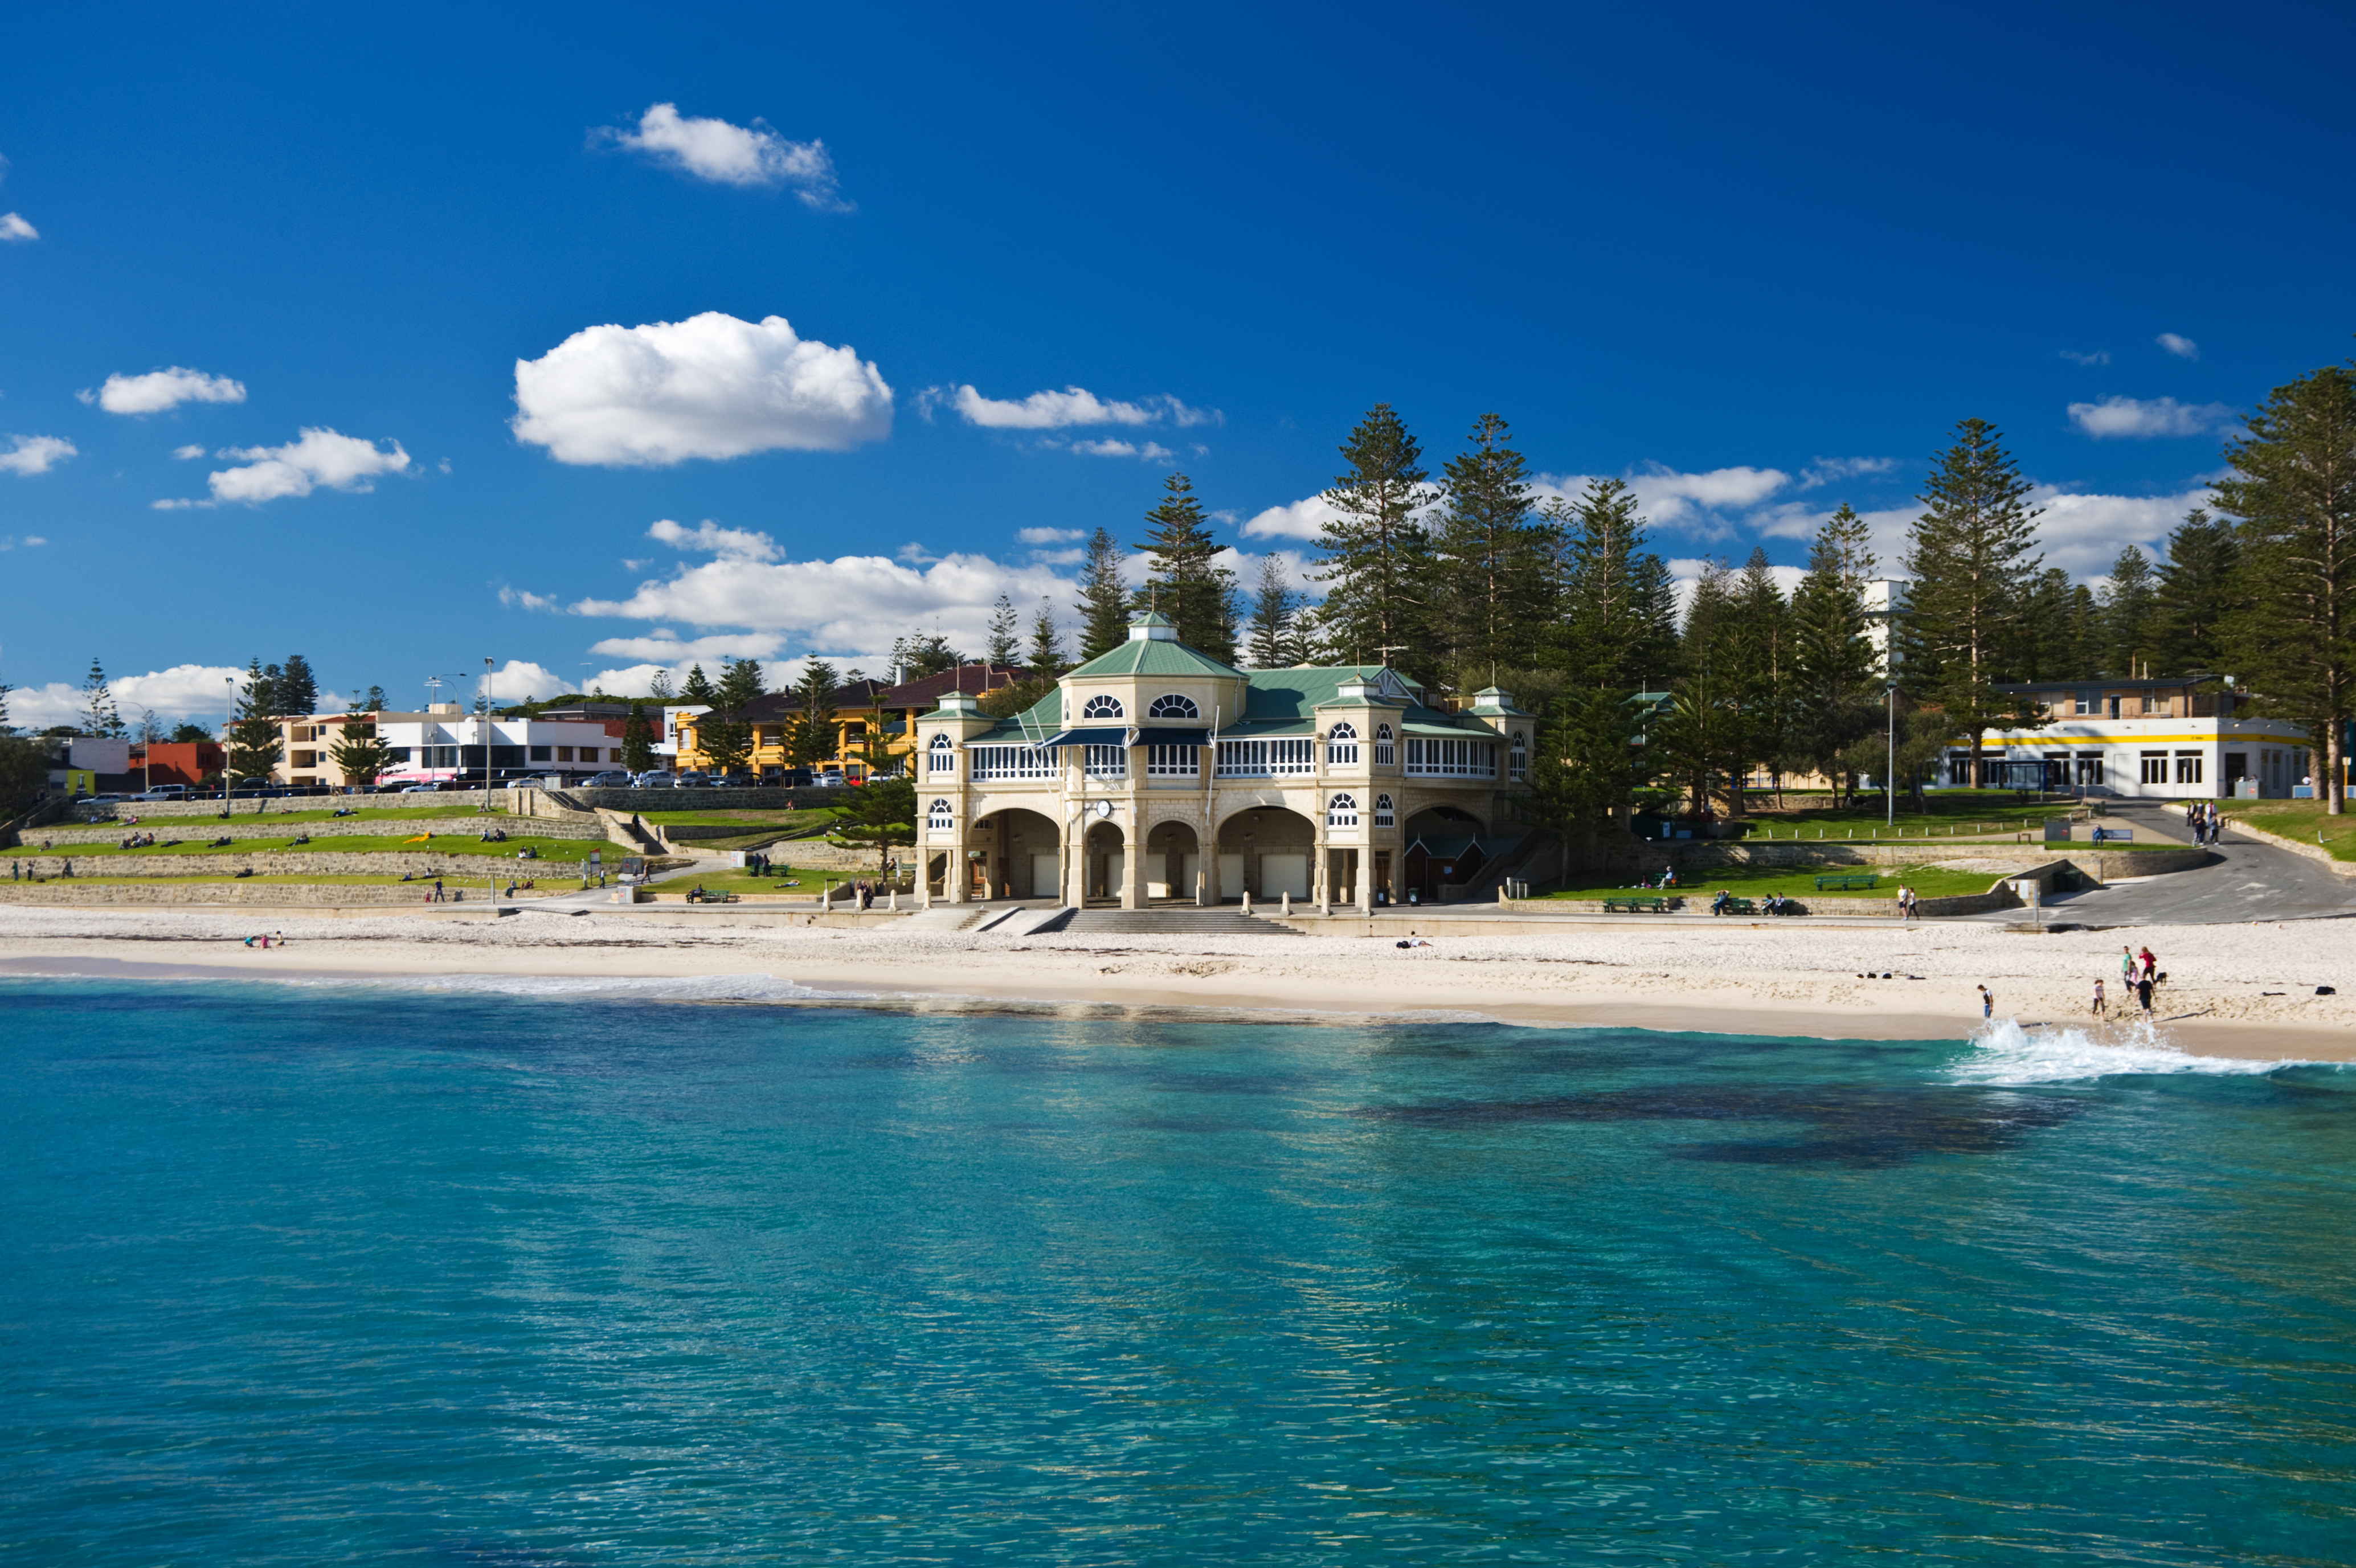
{"x": 2004, "y": 1052}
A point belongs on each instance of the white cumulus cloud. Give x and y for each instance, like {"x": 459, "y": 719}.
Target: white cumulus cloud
{"x": 34, "y": 454}
{"x": 732, "y": 154}
{"x": 15, "y": 230}
{"x": 158, "y": 390}
{"x": 2181, "y": 346}
{"x": 1299, "y": 520}
{"x": 183, "y": 692}
{"x": 1062, "y": 410}
{"x": 316, "y": 458}
{"x": 710, "y": 539}
{"x": 2145, "y": 418}
{"x": 188, "y": 454}
{"x": 1050, "y": 536}
{"x": 711, "y": 385}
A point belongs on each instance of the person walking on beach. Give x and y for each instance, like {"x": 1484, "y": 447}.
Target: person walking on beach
{"x": 2099, "y": 1009}
{"x": 2150, "y": 965}
{"x": 2127, "y": 967}
{"x": 2142, "y": 992}
{"x": 1987, "y": 1003}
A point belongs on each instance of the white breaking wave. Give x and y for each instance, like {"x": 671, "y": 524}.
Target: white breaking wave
{"x": 2003, "y": 1053}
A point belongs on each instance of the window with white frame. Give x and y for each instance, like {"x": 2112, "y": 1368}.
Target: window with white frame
{"x": 1102, "y": 708}
{"x": 1174, "y": 761}
{"x": 1266, "y": 759}
{"x": 1341, "y": 811}
{"x": 1172, "y": 705}
{"x": 940, "y": 757}
{"x": 1013, "y": 762}
{"x": 1342, "y": 746}
{"x": 1106, "y": 761}
{"x": 937, "y": 818}
{"x": 1433, "y": 757}
{"x": 1518, "y": 760}
{"x": 1384, "y": 815}
{"x": 2154, "y": 767}
{"x": 1385, "y": 748}
{"x": 2187, "y": 767}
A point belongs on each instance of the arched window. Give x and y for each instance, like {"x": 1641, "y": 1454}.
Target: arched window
{"x": 937, "y": 818}
{"x": 1342, "y": 747}
{"x": 1174, "y": 707}
{"x": 1341, "y": 811}
{"x": 1385, "y": 747}
{"x": 1521, "y": 757}
{"x": 1384, "y": 817}
{"x": 1102, "y": 708}
{"x": 940, "y": 757}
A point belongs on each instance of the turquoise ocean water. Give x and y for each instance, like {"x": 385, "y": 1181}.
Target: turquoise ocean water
{"x": 361, "y": 1274}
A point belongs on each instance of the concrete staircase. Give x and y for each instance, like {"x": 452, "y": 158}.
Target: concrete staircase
{"x": 1166, "y": 923}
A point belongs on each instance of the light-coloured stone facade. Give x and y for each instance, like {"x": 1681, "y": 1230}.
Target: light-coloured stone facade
{"x": 1317, "y": 783}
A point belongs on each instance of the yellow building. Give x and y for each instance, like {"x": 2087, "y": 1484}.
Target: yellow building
{"x": 863, "y": 710}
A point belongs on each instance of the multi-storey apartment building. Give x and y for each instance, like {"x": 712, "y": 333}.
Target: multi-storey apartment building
{"x": 1155, "y": 772}
{"x": 2165, "y": 738}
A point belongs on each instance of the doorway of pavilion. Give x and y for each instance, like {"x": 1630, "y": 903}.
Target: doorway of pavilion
{"x": 1267, "y": 852}
{"x": 1023, "y": 855}
{"x": 1444, "y": 851}
{"x": 1174, "y": 863}
{"x": 1104, "y": 863}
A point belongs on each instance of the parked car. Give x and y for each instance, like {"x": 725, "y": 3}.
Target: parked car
{"x": 611, "y": 779}
{"x": 694, "y": 778}
{"x": 787, "y": 778}
{"x": 659, "y": 779}
{"x": 163, "y": 792}
{"x": 422, "y": 789}
{"x": 735, "y": 781}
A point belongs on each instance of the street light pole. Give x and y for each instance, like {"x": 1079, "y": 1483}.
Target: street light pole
{"x": 1889, "y": 780}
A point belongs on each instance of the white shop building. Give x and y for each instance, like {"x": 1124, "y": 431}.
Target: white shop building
{"x": 2162, "y": 739}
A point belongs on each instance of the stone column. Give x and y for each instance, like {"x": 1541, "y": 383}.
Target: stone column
{"x": 1076, "y": 855}
{"x": 1132, "y": 865}
{"x": 1366, "y": 875}
{"x": 1320, "y": 873}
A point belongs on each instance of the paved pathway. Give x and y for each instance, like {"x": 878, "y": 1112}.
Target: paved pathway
{"x": 2253, "y": 882}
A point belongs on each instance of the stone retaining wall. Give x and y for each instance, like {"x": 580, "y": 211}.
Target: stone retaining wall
{"x": 304, "y": 862}
{"x": 264, "y": 894}
{"x": 2104, "y": 865}
{"x": 501, "y": 800}
{"x": 1698, "y": 903}
{"x": 243, "y": 827}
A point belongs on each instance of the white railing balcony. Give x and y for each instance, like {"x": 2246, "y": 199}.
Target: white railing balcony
{"x": 1106, "y": 761}
{"x": 1266, "y": 759}
{"x": 1174, "y": 761}
{"x": 1013, "y": 762}
{"x": 1435, "y": 758}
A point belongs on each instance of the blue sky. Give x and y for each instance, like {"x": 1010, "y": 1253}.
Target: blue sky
{"x": 1759, "y": 261}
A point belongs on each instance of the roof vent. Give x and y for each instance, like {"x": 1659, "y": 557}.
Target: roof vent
{"x": 1154, "y": 628}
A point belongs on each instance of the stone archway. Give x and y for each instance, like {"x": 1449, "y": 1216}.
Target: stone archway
{"x": 1442, "y": 850}
{"x": 1023, "y": 852}
{"x": 1104, "y": 863}
{"x": 1267, "y": 852}
{"x": 1174, "y": 863}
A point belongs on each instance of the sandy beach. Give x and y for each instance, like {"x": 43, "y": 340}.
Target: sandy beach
{"x": 2240, "y": 990}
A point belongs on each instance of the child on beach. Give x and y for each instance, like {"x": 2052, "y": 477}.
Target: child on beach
{"x": 1987, "y": 1003}
{"x": 2099, "y": 1009}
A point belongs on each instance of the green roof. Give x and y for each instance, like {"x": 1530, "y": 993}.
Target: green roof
{"x": 1146, "y": 655}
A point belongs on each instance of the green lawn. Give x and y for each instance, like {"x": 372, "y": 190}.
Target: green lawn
{"x": 729, "y": 880}
{"x": 1953, "y": 812}
{"x": 2299, "y": 819}
{"x": 564, "y": 850}
{"x": 1758, "y": 881}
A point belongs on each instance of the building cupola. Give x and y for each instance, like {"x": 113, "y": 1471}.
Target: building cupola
{"x": 1154, "y": 628}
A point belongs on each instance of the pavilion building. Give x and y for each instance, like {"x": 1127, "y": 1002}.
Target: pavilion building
{"x": 1156, "y": 773}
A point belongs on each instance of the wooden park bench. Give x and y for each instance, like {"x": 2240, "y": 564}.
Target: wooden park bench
{"x": 697, "y": 895}
{"x": 1648, "y": 906}
{"x": 1844, "y": 884}
{"x": 1735, "y": 906}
